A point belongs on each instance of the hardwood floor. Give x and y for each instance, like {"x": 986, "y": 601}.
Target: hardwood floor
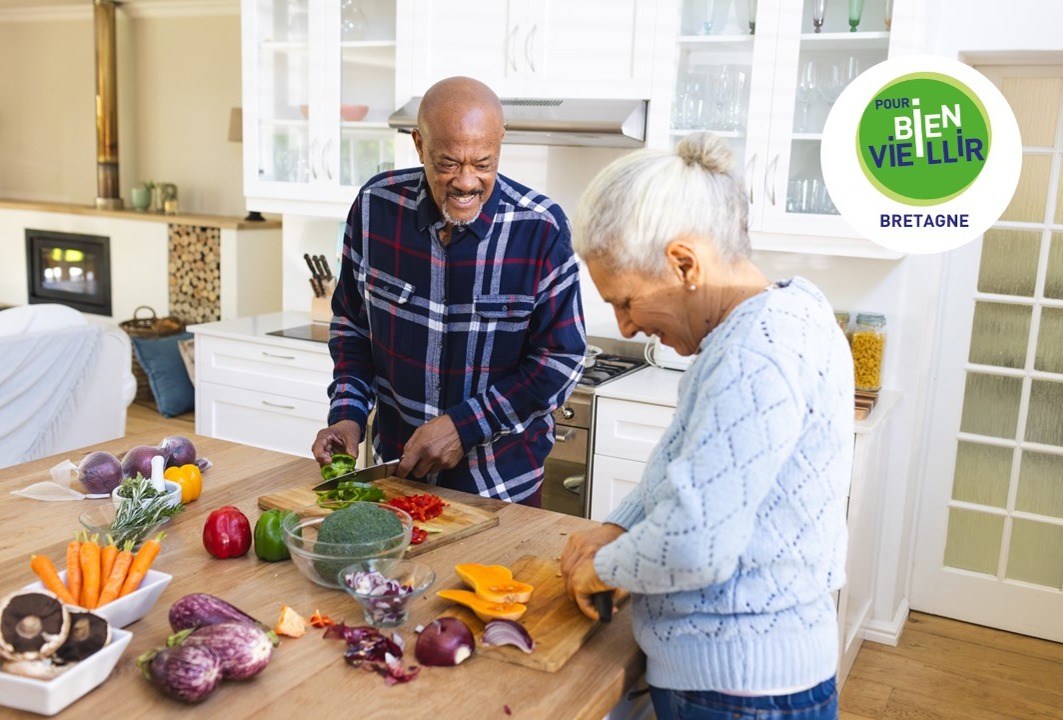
{"x": 942, "y": 670}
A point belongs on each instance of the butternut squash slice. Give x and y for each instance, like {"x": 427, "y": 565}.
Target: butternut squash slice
{"x": 494, "y": 583}
{"x": 484, "y": 609}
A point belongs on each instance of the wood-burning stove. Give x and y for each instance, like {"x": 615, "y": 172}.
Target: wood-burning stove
{"x": 69, "y": 269}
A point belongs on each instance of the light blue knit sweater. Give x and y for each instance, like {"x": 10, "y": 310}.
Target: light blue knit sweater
{"x": 736, "y": 533}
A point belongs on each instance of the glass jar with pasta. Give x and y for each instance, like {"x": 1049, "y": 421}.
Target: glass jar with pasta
{"x": 868, "y": 343}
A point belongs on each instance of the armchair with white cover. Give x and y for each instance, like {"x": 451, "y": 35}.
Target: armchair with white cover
{"x": 66, "y": 381}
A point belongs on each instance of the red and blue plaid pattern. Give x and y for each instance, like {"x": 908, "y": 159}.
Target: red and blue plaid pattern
{"x": 488, "y": 329}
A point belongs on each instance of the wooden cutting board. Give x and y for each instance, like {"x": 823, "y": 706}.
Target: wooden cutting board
{"x": 457, "y": 521}
{"x": 556, "y": 625}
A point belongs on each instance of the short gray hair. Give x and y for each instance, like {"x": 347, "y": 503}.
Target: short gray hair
{"x": 642, "y": 201}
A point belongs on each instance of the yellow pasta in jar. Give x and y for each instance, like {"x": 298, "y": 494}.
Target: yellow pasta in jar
{"x": 867, "y": 359}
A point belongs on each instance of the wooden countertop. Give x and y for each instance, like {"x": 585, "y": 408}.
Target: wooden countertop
{"x": 308, "y": 676}
{"x": 218, "y": 221}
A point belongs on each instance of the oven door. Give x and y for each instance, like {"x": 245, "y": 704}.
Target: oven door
{"x": 566, "y": 466}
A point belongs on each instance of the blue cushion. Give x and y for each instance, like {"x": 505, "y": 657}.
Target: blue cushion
{"x": 167, "y": 375}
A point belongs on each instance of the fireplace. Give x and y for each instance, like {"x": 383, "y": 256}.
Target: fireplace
{"x": 69, "y": 269}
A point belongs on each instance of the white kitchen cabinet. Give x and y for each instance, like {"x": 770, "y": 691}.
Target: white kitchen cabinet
{"x": 320, "y": 78}
{"x": 538, "y": 48}
{"x": 752, "y": 88}
{"x": 258, "y": 389}
{"x": 631, "y": 415}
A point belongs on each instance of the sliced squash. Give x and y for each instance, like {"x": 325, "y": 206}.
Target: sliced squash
{"x": 290, "y": 623}
{"x": 484, "y": 609}
{"x": 494, "y": 583}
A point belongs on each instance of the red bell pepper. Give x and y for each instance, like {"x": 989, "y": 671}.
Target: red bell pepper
{"x": 227, "y": 532}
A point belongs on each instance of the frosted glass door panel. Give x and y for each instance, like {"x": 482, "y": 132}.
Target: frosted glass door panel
{"x": 983, "y": 474}
{"x": 1009, "y": 262}
{"x": 1044, "y": 423}
{"x": 1049, "y": 357}
{"x": 1036, "y": 553}
{"x": 1035, "y": 101}
{"x": 973, "y": 541}
{"x": 991, "y": 405}
{"x": 999, "y": 334}
{"x": 1029, "y": 201}
{"x": 1054, "y": 274}
{"x": 1041, "y": 485}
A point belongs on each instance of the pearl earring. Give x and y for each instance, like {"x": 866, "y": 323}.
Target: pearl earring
{"x": 692, "y": 287}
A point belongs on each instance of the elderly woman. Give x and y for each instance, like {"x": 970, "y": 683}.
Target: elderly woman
{"x": 734, "y": 539}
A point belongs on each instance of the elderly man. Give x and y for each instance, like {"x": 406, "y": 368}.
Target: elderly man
{"x": 457, "y": 311}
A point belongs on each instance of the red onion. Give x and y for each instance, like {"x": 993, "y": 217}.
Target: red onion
{"x": 443, "y": 642}
{"x": 507, "y": 632}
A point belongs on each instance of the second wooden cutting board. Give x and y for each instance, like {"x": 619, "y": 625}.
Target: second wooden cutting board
{"x": 457, "y": 521}
{"x": 556, "y": 625}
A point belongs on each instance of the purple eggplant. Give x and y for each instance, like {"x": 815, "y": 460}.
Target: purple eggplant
{"x": 189, "y": 673}
{"x": 199, "y": 609}
{"x": 244, "y": 649}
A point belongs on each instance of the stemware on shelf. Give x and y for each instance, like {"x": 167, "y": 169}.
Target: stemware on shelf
{"x": 856, "y": 11}
{"x": 752, "y": 5}
{"x": 807, "y": 90}
{"x": 888, "y": 18}
{"x": 723, "y": 88}
{"x": 850, "y": 69}
{"x": 819, "y": 12}
{"x": 707, "y": 17}
{"x": 352, "y": 21}
{"x": 833, "y": 82}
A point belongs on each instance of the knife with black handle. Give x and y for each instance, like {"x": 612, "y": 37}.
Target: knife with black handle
{"x": 603, "y": 603}
{"x": 316, "y": 281}
{"x": 322, "y": 268}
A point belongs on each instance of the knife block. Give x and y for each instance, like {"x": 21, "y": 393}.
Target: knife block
{"x": 321, "y": 307}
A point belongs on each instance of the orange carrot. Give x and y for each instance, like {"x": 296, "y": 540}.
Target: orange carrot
{"x": 117, "y": 576}
{"x": 107, "y": 555}
{"x": 73, "y": 567}
{"x": 90, "y": 572}
{"x": 141, "y": 564}
{"x": 45, "y": 569}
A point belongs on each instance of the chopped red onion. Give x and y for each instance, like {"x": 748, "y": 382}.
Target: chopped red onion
{"x": 507, "y": 632}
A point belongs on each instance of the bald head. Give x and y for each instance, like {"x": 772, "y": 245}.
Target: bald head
{"x": 458, "y": 138}
{"x": 457, "y": 99}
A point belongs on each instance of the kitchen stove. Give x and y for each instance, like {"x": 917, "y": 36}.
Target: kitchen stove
{"x": 606, "y": 368}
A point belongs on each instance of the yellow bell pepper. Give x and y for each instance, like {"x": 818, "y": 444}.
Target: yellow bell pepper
{"x": 189, "y": 478}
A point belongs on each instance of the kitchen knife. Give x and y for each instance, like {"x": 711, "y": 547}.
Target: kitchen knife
{"x": 322, "y": 268}
{"x": 313, "y": 270}
{"x": 603, "y": 603}
{"x": 366, "y": 474}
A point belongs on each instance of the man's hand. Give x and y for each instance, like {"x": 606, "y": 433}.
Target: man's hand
{"x": 433, "y": 447}
{"x": 577, "y": 566}
{"x": 342, "y": 437}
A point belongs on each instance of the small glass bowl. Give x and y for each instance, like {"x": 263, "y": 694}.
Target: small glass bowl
{"x": 99, "y": 521}
{"x": 381, "y": 607}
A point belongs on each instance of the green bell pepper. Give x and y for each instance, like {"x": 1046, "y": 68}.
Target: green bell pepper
{"x": 269, "y": 536}
{"x": 341, "y": 464}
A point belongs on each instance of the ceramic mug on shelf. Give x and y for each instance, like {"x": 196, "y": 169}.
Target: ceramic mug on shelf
{"x": 141, "y": 198}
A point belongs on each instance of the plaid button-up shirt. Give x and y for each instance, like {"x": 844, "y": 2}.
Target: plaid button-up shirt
{"x": 488, "y": 329}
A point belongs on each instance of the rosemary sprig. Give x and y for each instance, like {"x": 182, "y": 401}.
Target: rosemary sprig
{"x": 143, "y": 509}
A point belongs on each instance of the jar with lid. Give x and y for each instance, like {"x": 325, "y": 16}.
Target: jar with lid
{"x": 868, "y": 342}
{"x": 842, "y": 318}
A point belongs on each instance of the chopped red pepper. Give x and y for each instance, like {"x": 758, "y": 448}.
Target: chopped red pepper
{"x": 418, "y": 536}
{"x": 421, "y": 507}
{"x": 319, "y": 621}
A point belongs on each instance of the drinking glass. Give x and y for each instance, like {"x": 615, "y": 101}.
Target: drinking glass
{"x": 752, "y": 5}
{"x": 707, "y": 18}
{"x": 722, "y": 83}
{"x": 807, "y": 89}
{"x": 819, "y": 11}
{"x": 833, "y": 82}
{"x": 889, "y": 14}
{"x": 739, "y": 96}
{"x": 851, "y": 69}
{"x": 856, "y": 10}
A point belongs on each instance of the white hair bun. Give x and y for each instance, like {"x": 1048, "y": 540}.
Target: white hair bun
{"x": 708, "y": 150}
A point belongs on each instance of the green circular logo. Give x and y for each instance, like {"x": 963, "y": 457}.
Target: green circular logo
{"x": 923, "y": 138}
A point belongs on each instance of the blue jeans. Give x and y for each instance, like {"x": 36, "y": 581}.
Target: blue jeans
{"x": 818, "y": 703}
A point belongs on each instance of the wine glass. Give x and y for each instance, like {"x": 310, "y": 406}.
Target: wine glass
{"x": 833, "y": 82}
{"x": 722, "y": 91}
{"x": 752, "y": 5}
{"x": 707, "y": 18}
{"x": 352, "y": 21}
{"x": 889, "y": 14}
{"x": 807, "y": 89}
{"x": 856, "y": 10}
{"x": 819, "y": 11}
{"x": 850, "y": 70}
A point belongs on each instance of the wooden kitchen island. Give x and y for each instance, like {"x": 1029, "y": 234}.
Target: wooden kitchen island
{"x": 308, "y": 677}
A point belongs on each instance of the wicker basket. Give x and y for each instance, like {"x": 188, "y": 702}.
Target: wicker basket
{"x": 148, "y": 327}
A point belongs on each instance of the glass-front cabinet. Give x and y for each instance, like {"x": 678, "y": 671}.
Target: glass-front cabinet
{"x": 319, "y": 84}
{"x": 764, "y": 74}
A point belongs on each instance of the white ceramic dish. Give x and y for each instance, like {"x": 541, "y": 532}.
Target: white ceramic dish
{"x": 133, "y": 606}
{"x": 47, "y": 697}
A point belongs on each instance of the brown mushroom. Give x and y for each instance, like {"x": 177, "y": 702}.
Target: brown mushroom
{"x": 88, "y": 633}
{"x": 43, "y": 669}
{"x": 32, "y": 625}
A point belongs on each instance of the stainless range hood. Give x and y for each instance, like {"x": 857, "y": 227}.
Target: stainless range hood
{"x": 594, "y": 123}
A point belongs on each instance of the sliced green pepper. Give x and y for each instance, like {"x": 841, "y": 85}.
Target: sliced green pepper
{"x": 341, "y": 464}
{"x": 269, "y": 536}
{"x": 348, "y": 492}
